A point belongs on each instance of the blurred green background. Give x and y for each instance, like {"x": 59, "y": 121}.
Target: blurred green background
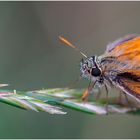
{"x": 31, "y": 57}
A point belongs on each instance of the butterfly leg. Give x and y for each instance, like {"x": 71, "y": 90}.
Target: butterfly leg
{"x": 106, "y": 106}
{"x": 98, "y": 94}
{"x": 124, "y": 100}
{"x": 85, "y": 95}
{"x": 120, "y": 98}
{"x": 128, "y": 102}
{"x": 87, "y": 91}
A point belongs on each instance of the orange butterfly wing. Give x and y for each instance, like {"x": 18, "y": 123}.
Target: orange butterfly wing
{"x": 127, "y": 51}
{"x": 122, "y": 58}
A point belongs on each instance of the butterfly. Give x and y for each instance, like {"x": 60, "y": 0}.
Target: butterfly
{"x": 118, "y": 66}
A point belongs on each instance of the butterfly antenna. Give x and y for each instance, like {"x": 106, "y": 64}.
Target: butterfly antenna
{"x": 66, "y": 42}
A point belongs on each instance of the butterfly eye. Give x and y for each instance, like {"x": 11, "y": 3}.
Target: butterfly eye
{"x": 96, "y": 72}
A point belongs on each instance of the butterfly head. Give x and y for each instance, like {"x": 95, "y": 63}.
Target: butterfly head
{"x": 90, "y": 68}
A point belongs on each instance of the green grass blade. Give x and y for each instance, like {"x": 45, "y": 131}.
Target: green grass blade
{"x": 50, "y": 100}
{"x": 29, "y": 103}
{"x": 70, "y": 98}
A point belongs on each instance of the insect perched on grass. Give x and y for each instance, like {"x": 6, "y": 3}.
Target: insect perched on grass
{"x": 119, "y": 66}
